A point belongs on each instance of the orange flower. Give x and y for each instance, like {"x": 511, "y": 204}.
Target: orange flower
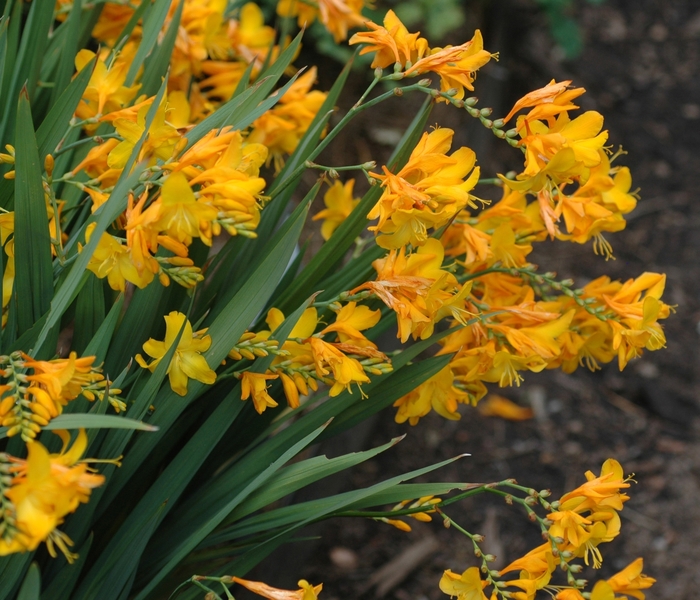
{"x": 45, "y": 488}
{"x": 339, "y": 203}
{"x": 307, "y": 591}
{"x": 392, "y": 43}
{"x": 498, "y": 406}
{"x": 631, "y": 580}
{"x": 254, "y": 384}
{"x": 549, "y": 101}
{"x": 336, "y": 15}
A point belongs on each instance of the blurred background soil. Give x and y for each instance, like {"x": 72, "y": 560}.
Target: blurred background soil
{"x": 640, "y": 65}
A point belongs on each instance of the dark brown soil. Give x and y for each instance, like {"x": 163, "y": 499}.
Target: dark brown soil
{"x": 641, "y": 67}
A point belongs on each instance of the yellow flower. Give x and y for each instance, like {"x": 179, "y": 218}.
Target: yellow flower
{"x": 339, "y": 204}
{"x": 602, "y": 591}
{"x": 505, "y": 367}
{"x": 426, "y": 193}
{"x": 281, "y": 127}
{"x": 548, "y": 101}
{"x": 255, "y": 384}
{"x": 346, "y": 370}
{"x": 467, "y": 586}
{"x": 392, "y": 43}
{"x": 505, "y": 249}
{"x": 113, "y": 260}
{"x": 187, "y": 362}
{"x": 160, "y": 143}
{"x": 498, "y": 406}
{"x": 45, "y": 488}
{"x": 456, "y": 66}
{"x": 105, "y": 92}
{"x": 438, "y": 393}
{"x": 599, "y": 492}
{"x": 307, "y": 591}
{"x": 179, "y": 214}
{"x": 631, "y": 580}
{"x": 351, "y": 320}
{"x": 416, "y": 287}
{"x": 539, "y": 564}
{"x": 7, "y": 228}
{"x": 249, "y": 35}
{"x": 336, "y": 15}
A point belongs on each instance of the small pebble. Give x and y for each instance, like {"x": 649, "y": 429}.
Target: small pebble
{"x": 658, "y": 32}
{"x": 690, "y": 111}
{"x": 343, "y": 558}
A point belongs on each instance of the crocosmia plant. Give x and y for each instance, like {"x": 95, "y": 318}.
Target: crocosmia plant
{"x": 160, "y": 316}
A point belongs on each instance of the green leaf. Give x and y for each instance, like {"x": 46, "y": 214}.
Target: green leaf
{"x": 69, "y": 48}
{"x": 34, "y": 274}
{"x": 31, "y": 586}
{"x": 12, "y": 570}
{"x": 239, "y": 107}
{"x": 3, "y": 50}
{"x": 120, "y": 566}
{"x": 35, "y": 34}
{"x": 62, "y": 584}
{"x": 344, "y": 236}
{"x": 88, "y": 421}
{"x": 89, "y": 314}
{"x": 291, "y": 518}
{"x": 225, "y": 330}
{"x": 141, "y": 321}
{"x": 249, "y": 111}
{"x": 116, "y": 442}
{"x": 356, "y": 271}
{"x": 190, "y": 459}
{"x": 103, "y": 216}
{"x": 92, "y": 421}
{"x": 273, "y": 212}
{"x": 157, "y": 64}
{"x": 55, "y": 125}
{"x": 406, "y": 491}
{"x": 103, "y": 336}
{"x": 151, "y": 29}
{"x": 294, "y": 477}
{"x": 191, "y": 541}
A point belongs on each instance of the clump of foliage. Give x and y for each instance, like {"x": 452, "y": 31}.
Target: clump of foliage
{"x": 158, "y": 315}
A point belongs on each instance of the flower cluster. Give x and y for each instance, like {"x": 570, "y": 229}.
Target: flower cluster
{"x": 575, "y": 526}
{"x": 337, "y": 16}
{"x": 449, "y": 258}
{"x": 36, "y": 494}
{"x": 35, "y": 391}
{"x": 338, "y": 355}
{"x": 562, "y": 153}
{"x": 194, "y": 190}
{"x": 411, "y": 55}
{"x": 188, "y": 171}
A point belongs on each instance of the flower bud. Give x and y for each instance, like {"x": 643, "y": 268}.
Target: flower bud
{"x": 48, "y": 165}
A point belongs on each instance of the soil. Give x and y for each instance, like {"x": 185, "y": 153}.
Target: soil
{"x": 641, "y": 68}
